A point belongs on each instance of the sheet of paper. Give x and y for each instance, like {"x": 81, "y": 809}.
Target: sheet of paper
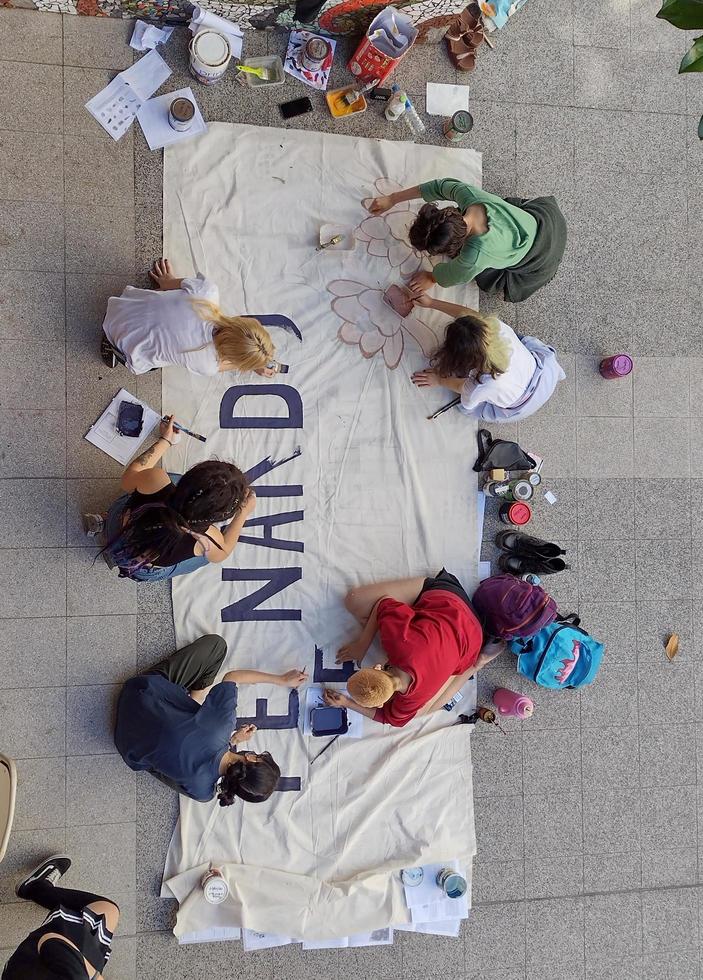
{"x": 153, "y": 119}
{"x": 448, "y": 908}
{"x": 484, "y": 570}
{"x": 449, "y": 927}
{"x": 117, "y": 105}
{"x": 293, "y": 66}
{"x": 263, "y": 940}
{"x": 146, "y": 36}
{"x": 202, "y": 19}
{"x": 341, "y": 943}
{"x": 428, "y": 891}
{"x": 105, "y": 436}
{"x": 379, "y": 937}
{"x": 313, "y": 699}
{"x": 445, "y": 100}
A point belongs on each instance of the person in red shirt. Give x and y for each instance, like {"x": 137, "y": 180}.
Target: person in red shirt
{"x": 433, "y": 641}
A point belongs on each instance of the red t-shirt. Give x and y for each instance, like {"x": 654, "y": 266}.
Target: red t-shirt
{"x": 433, "y": 640}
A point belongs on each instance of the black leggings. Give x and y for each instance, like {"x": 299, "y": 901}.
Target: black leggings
{"x": 52, "y": 896}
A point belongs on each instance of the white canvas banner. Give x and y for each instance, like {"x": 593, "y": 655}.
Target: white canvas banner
{"x": 353, "y": 485}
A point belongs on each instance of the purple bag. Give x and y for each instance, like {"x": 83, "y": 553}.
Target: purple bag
{"x": 510, "y": 608}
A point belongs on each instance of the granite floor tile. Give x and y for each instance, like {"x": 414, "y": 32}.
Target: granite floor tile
{"x": 87, "y": 497}
{"x": 610, "y": 701}
{"x": 611, "y": 820}
{"x": 665, "y": 693}
{"x": 494, "y": 938}
{"x": 613, "y": 926}
{"x": 552, "y": 877}
{"x": 100, "y": 240}
{"x": 32, "y": 306}
{"x": 663, "y": 566}
{"x": 101, "y": 649}
{"x": 544, "y": 949}
{"x": 17, "y": 920}
{"x": 26, "y": 848}
{"x": 555, "y": 440}
{"x": 604, "y": 22}
{"x": 606, "y": 872}
{"x": 661, "y": 387}
{"x": 33, "y": 652}
{"x": 25, "y": 382}
{"x": 99, "y": 171}
{"x": 97, "y": 43}
{"x": 596, "y": 396}
{"x": 669, "y": 919}
{"x": 605, "y": 448}
{"x": 499, "y": 830}
{"x": 497, "y": 764}
{"x": 640, "y": 141}
{"x": 31, "y": 166}
{"x": 90, "y": 719}
{"x": 609, "y": 758}
{"x": 649, "y": 33}
{"x": 497, "y": 881}
{"x": 614, "y": 624}
{"x": 32, "y": 443}
{"x": 23, "y": 38}
{"x": 662, "y": 447}
{"x": 678, "y": 965}
{"x": 30, "y": 101}
{"x": 668, "y": 867}
{"x": 100, "y": 789}
{"x": 32, "y": 583}
{"x": 422, "y": 954}
{"x": 33, "y": 512}
{"x": 542, "y": 75}
{"x": 545, "y": 816}
{"x": 606, "y": 509}
{"x": 31, "y": 236}
{"x": 668, "y": 756}
{"x": 159, "y": 955}
{"x": 94, "y": 589}
{"x": 34, "y": 722}
{"x": 41, "y": 791}
{"x": 550, "y": 762}
{"x": 657, "y": 620}
{"x": 92, "y": 849}
{"x": 658, "y": 829}
{"x": 662, "y": 508}
{"x": 606, "y": 570}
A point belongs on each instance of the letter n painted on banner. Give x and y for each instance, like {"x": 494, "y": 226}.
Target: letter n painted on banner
{"x": 245, "y": 610}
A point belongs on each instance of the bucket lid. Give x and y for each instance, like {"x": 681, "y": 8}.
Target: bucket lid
{"x": 211, "y": 47}
{"x": 519, "y": 513}
{"x": 622, "y": 364}
{"x": 462, "y": 121}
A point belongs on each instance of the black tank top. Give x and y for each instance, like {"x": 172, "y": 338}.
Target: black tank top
{"x": 182, "y": 547}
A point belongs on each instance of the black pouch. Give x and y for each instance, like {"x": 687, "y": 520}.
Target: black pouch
{"x": 494, "y": 454}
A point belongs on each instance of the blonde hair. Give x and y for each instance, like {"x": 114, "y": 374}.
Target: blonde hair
{"x": 371, "y": 688}
{"x": 241, "y": 342}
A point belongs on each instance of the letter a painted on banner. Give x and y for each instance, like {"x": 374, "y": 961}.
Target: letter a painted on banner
{"x": 268, "y": 523}
{"x": 244, "y": 610}
{"x": 294, "y": 404}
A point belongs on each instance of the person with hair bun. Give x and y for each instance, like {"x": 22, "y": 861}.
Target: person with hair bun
{"x": 433, "y": 641}
{"x": 166, "y": 524}
{"x": 514, "y": 244}
{"x": 176, "y": 723}
{"x": 500, "y": 376}
{"x": 180, "y": 322}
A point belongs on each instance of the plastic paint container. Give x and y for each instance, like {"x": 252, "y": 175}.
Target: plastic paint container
{"x": 451, "y": 883}
{"x": 272, "y": 63}
{"x": 314, "y": 53}
{"x": 515, "y": 514}
{"x": 459, "y": 126}
{"x": 214, "y": 886}
{"x": 617, "y": 366}
{"x": 181, "y": 114}
{"x": 512, "y": 704}
{"x": 210, "y": 54}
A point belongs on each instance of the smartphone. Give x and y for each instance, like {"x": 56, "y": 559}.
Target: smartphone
{"x": 130, "y": 419}
{"x": 399, "y": 300}
{"x": 296, "y": 107}
{"x": 329, "y": 721}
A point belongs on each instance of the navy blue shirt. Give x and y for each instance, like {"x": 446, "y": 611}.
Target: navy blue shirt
{"x": 161, "y": 729}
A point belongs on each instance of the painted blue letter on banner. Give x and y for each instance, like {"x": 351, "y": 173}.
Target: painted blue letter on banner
{"x": 244, "y": 610}
{"x": 290, "y": 396}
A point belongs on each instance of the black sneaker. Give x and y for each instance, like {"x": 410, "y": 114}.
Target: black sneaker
{"x": 51, "y": 870}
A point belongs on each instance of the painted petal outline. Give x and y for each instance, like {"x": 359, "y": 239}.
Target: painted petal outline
{"x": 393, "y": 350}
{"x": 371, "y": 343}
{"x": 346, "y": 287}
{"x": 350, "y": 333}
{"x": 349, "y": 308}
{"x": 424, "y": 336}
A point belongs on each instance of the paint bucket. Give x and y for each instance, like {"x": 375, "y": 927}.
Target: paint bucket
{"x": 511, "y": 704}
{"x": 617, "y": 366}
{"x": 314, "y": 53}
{"x": 214, "y": 886}
{"x": 451, "y": 883}
{"x": 520, "y": 490}
{"x": 459, "y": 126}
{"x": 181, "y": 114}
{"x": 210, "y": 54}
{"x": 515, "y": 514}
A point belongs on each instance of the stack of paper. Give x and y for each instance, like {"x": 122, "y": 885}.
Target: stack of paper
{"x": 105, "y": 436}
{"x": 146, "y": 36}
{"x": 153, "y": 118}
{"x": 116, "y": 107}
{"x": 430, "y": 909}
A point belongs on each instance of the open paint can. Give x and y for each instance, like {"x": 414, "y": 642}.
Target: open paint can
{"x": 459, "y": 126}
{"x": 181, "y": 114}
{"x": 210, "y": 54}
{"x": 214, "y": 886}
{"x": 314, "y": 53}
{"x": 451, "y": 883}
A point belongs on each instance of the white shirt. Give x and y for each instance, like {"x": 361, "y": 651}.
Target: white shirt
{"x": 153, "y": 328}
{"x": 509, "y": 387}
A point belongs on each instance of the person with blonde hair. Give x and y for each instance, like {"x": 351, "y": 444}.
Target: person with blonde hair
{"x": 498, "y": 376}
{"x": 181, "y": 323}
{"x": 431, "y": 637}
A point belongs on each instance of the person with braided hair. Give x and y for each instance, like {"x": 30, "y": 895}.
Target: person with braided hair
{"x": 514, "y": 245}
{"x": 176, "y": 723}
{"x": 180, "y": 322}
{"x": 167, "y": 524}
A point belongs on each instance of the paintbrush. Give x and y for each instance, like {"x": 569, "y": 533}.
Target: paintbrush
{"x": 322, "y": 751}
{"x": 444, "y": 408}
{"x": 181, "y": 428}
{"x": 333, "y": 241}
{"x": 263, "y": 73}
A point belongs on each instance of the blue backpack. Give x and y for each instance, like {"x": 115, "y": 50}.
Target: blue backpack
{"x": 561, "y": 655}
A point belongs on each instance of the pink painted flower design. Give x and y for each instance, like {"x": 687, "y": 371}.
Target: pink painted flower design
{"x": 371, "y": 324}
{"x": 387, "y": 235}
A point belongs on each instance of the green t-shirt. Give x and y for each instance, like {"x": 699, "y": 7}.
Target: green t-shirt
{"x": 510, "y": 236}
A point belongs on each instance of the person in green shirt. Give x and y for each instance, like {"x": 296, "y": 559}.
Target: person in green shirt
{"x": 513, "y": 245}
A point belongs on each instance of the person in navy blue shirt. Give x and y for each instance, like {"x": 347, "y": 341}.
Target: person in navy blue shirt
{"x": 172, "y": 723}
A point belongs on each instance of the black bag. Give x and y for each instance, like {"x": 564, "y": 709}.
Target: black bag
{"x": 494, "y": 454}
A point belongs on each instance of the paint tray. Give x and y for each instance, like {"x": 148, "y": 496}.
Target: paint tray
{"x": 347, "y": 243}
{"x": 270, "y": 61}
{"x": 339, "y": 108}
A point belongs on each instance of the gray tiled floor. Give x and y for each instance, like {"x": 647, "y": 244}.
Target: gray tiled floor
{"x": 587, "y": 816}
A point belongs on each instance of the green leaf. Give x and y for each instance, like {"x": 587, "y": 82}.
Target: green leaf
{"x": 686, "y": 14}
{"x": 700, "y": 129}
{"x": 693, "y": 59}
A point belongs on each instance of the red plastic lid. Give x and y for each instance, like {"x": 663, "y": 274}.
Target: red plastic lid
{"x": 519, "y": 513}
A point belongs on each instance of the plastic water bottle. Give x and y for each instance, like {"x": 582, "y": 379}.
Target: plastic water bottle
{"x": 396, "y": 105}
{"x": 412, "y": 119}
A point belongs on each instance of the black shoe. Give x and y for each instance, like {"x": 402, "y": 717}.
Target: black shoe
{"x": 50, "y": 870}
{"x": 522, "y": 564}
{"x": 524, "y": 544}
{"x": 110, "y": 355}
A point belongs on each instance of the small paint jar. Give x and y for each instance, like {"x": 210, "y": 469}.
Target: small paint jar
{"x": 412, "y": 877}
{"x": 534, "y": 478}
{"x": 516, "y": 514}
{"x": 214, "y": 886}
{"x": 181, "y": 114}
{"x": 497, "y": 488}
{"x": 451, "y": 883}
{"x": 459, "y": 126}
{"x": 617, "y": 366}
{"x": 314, "y": 53}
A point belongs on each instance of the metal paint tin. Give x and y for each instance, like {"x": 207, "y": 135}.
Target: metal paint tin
{"x": 497, "y": 488}
{"x": 451, "y": 883}
{"x": 459, "y": 126}
{"x": 214, "y": 886}
{"x": 181, "y": 114}
{"x": 210, "y": 54}
{"x": 534, "y": 478}
{"x": 314, "y": 53}
{"x": 412, "y": 876}
{"x": 520, "y": 490}
{"x": 515, "y": 514}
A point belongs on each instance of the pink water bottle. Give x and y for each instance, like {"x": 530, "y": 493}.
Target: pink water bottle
{"x": 617, "y": 366}
{"x": 511, "y": 703}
